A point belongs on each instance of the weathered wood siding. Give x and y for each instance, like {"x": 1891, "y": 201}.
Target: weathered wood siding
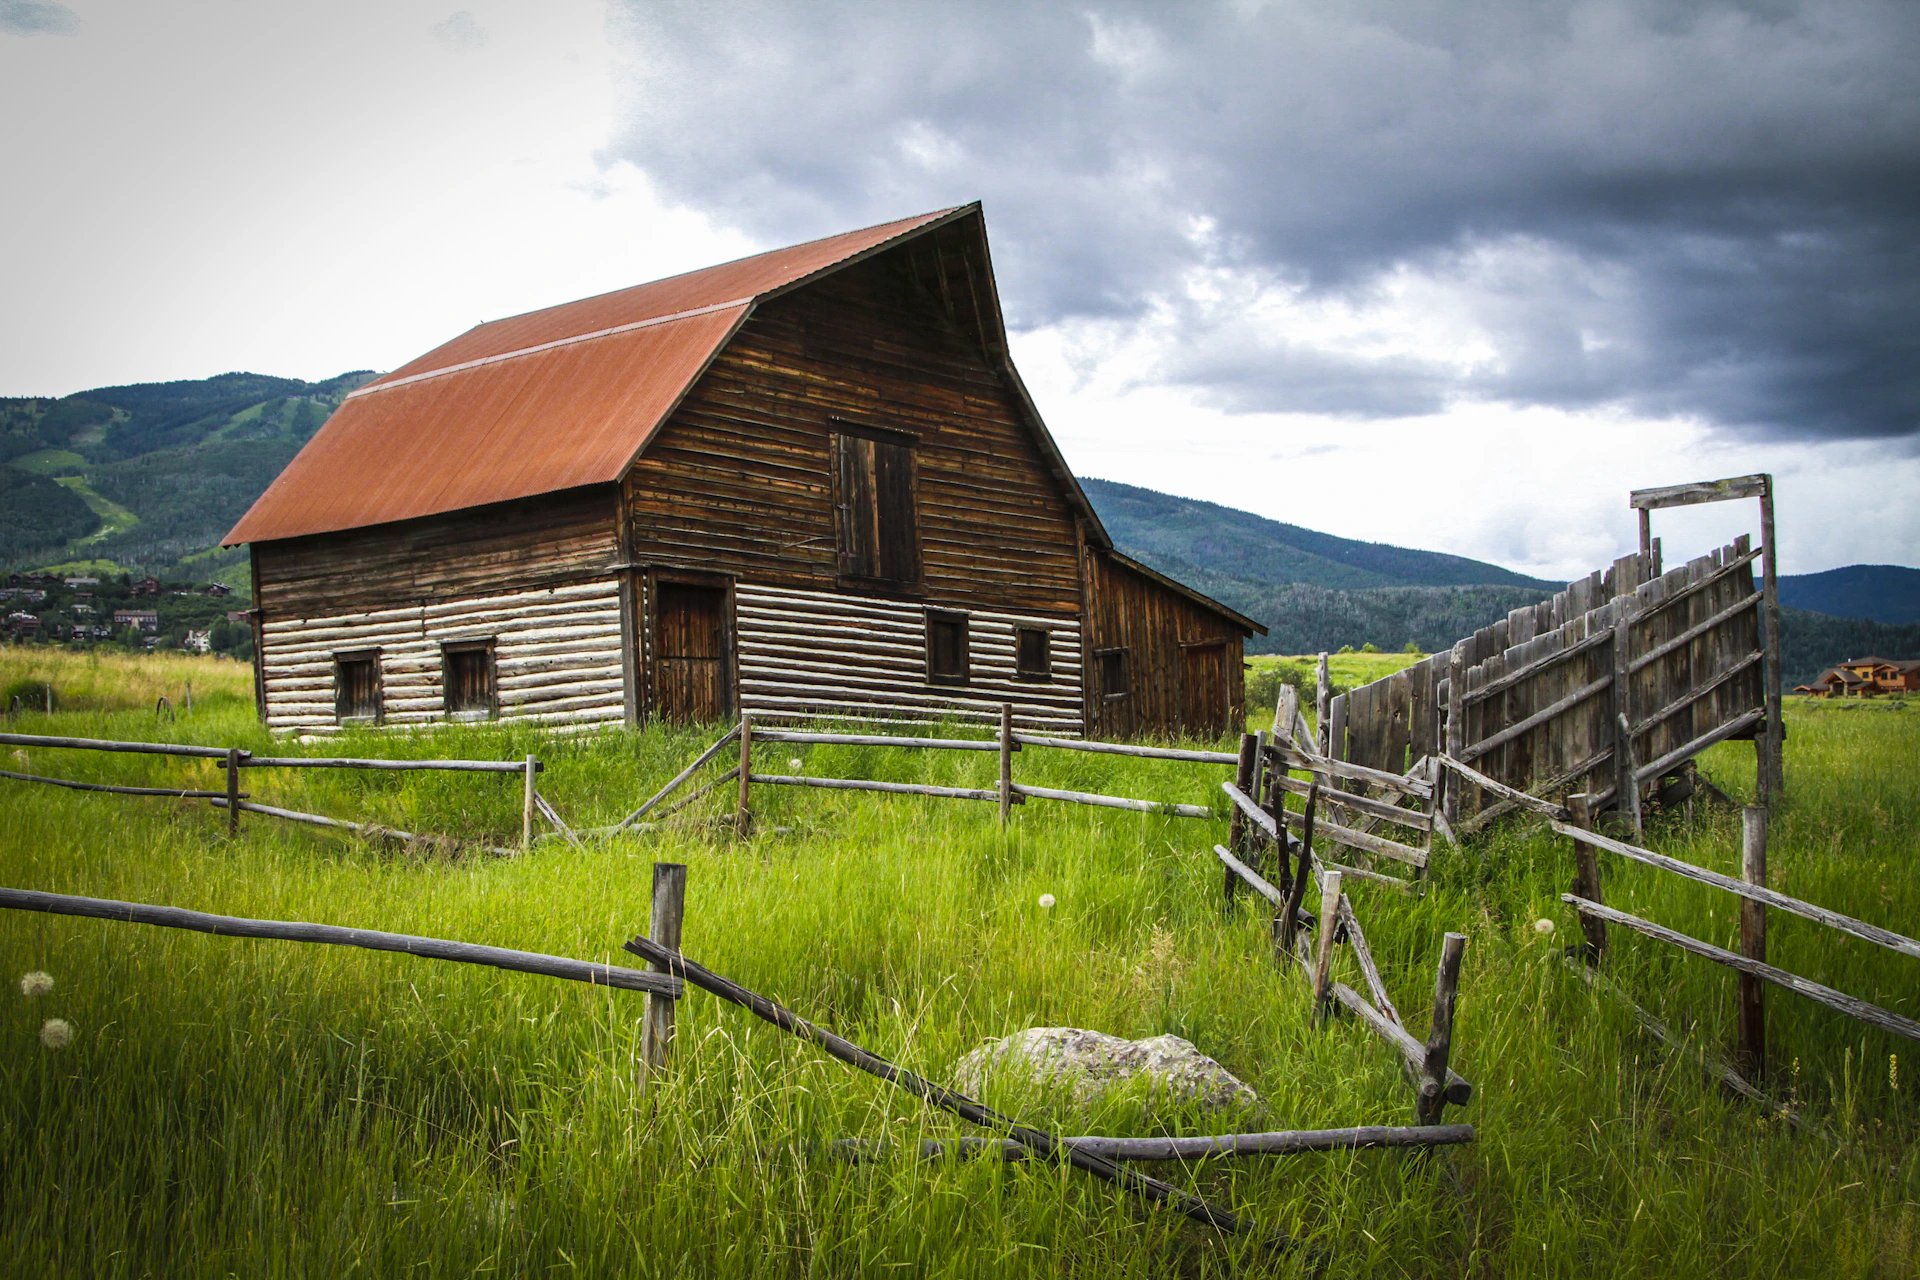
{"x": 557, "y": 656}
{"x": 826, "y": 655}
{"x": 1160, "y": 629}
{"x": 740, "y": 479}
{"x": 531, "y": 543}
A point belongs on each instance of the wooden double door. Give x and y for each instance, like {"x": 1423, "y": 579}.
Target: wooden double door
{"x": 1206, "y": 696}
{"x": 692, "y": 652}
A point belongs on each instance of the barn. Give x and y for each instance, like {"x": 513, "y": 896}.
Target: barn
{"x": 806, "y": 485}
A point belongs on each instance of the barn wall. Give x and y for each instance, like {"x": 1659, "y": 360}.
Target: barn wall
{"x": 510, "y": 546}
{"x": 739, "y": 480}
{"x": 826, "y": 655}
{"x": 557, "y": 654}
{"x": 1156, "y": 626}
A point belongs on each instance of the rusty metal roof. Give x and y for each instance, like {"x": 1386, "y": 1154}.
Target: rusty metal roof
{"x": 540, "y": 402}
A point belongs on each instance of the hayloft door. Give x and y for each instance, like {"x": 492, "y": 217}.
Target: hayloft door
{"x": 1203, "y": 690}
{"x": 692, "y": 653}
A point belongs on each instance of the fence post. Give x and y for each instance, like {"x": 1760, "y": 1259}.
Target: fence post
{"x": 1303, "y": 865}
{"x": 1753, "y": 940}
{"x": 1322, "y": 697}
{"x": 743, "y": 815}
{"x": 233, "y": 790}
{"x": 189, "y": 697}
{"x": 1770, "y": 745}
{"x": 1323, "y": 961}
{"x": 669, "y": 909}
{"x": 1586, "y": 878}
{"x": 1433, "y": 1069}
{"x": 1456, "y": 729}
{"x": 1006, "y": 763}
{"x": 1243, "y": 776}
{"x": 1626, "y": 796}
{"x": 526, "y": 811}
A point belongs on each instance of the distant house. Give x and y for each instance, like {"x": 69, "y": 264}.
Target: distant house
{"x": 1866, "y": 678}
{"x": 147, "y": 587}
{"x": 143, "y": 619}
{"x": 216, "y": 589}
{"x": 804, "y": 485}
{"x": 198, "y": 642}
{"x": 81, "y": 582}
{"x": 22, "y": 626}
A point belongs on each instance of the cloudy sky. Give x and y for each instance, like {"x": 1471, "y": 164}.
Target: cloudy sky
{"x": 1452, "y": 275}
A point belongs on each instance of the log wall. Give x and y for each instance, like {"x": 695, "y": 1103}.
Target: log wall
{"x": 557, "y": 655}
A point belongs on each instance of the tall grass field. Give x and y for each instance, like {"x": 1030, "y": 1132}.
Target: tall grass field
{"x": 229, "y": 1107}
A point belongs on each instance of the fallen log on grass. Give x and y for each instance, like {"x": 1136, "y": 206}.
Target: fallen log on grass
{"x": 1282, "y": 1143}
{"x": 341, "y": 936}
{"x": 366, "y": 830}
{"x": 114, "y": 788}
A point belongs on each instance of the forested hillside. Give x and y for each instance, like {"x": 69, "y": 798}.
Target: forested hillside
{"x": 151, "y": 476}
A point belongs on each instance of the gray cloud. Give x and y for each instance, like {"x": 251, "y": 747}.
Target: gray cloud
{"x": 1705, "y": 208}
{"x": 34, "y": 18}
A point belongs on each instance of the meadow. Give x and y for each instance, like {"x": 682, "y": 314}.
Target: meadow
{"x": 266, "y": 1109}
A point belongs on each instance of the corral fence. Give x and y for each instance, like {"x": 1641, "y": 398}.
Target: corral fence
{"x": 235, "y": 801}
{"x": 1006, "y": 793}
{"x": 1606, "y": 688}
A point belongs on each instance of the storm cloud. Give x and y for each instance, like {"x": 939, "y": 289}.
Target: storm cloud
{"x": 1705, "y": 210}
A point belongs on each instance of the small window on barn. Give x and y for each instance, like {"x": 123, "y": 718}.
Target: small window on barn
{"x": 1033, "y": 653}
{"x": 946, "y": 648}
{"x": 466, "y": 672}
{"x": 873, "y": 497}
{"x": 356, "y": 687}
{"x": 1113, "y": 673}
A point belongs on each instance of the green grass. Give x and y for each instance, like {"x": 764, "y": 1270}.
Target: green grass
{"x": 255, "y": 1108}
{"x": 118, "y": 519}
{"x": 47, "y": 462}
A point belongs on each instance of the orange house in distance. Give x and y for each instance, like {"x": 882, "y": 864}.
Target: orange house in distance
{"x": 1866, "y": 677}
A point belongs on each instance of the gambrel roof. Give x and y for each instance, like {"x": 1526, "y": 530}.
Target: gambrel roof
{"x": 571, "y": 395}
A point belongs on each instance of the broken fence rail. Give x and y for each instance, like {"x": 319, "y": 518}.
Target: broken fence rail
{"x": 1043, "y": 1145}
{"x": 604, "y": 975}
{"x": 1280, "y": 1143}
{"x": 366, "y": 830}
{"x": 248, "y": 761}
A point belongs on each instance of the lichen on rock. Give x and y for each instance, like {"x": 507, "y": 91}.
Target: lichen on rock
{"x": 1090, "y": 1063}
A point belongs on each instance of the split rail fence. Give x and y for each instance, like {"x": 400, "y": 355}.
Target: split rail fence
{"x": 1606, "y": 688}
{"x": 1750, "y": 961}
{"x": 235, "y": 801}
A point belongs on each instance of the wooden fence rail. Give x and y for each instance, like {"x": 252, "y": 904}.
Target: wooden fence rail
{"x": 1282, "y": 1143}
{"x": 604, "y": 975}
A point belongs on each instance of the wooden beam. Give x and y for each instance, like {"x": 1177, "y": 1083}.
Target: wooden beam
{"x": 1474, "y": 750}
{"x": 1686, "y": 495}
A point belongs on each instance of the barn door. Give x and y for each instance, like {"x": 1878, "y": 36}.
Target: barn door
{"x": 1203, "y": 690}
{"x": 692, "y": 648}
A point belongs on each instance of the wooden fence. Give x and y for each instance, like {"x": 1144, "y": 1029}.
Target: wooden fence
{"x": 1751, "y": 961}
{"x": 1605, "y": 688}
{"x": 235, "y": 801}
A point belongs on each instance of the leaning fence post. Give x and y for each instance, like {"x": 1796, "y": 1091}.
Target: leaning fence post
{"x": 1433, "y": 1069}
{"x": 1456, "y": 730}
{"x": 1586, "y": 877}
{"x": 1322, "y": 696}
{"x": 743, "y": 815}
{"x": 1323, "y": 962}
{"x": 1297, "y": 892}
{"x": 526, "y": 811}
{"x": 669, "y": 909}
{"x": 1753, "y": 940}
{"x": 1243, "y": 776}
{"x": 1006, "y": 763}
{"x": 233, "y": 790}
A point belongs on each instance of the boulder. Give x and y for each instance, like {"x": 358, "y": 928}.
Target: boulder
{"x": 1091, "y": 1062}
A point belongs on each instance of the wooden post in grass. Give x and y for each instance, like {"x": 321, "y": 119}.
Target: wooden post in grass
{"x": 743, "y": 814}
{"x": 1456, "y": 730}
{"x": 1753, "y": 941}
{"x": 1006, "y": 763}
{"x": 1297, "y": 892}
{"x": 669, "y": 909}
{"x": 1433, "y": 1070}
{"x": 1322, "y": 699}
{"x": 189, "y": 697}
{"x": 1323, "y": 962}
{"x": 233, "y": 790}
{"x": 526, "y": 810}
{"x": 1586, "y": 877}
{"x": 1237, "y": 839}
{"x": 1770, "y": 744}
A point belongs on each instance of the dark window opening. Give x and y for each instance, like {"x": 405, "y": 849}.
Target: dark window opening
{"x": 356, "y": 686}
{"x": 1113, "y": 673}
{"x": 875, "y": 525}
{"x": 1033, "y": 653}
{"x": 947, "y": 648}
{"x": 468, "y": 676}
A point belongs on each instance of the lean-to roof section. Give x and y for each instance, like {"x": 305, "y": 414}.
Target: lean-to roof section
{"x": 550, "y": 400}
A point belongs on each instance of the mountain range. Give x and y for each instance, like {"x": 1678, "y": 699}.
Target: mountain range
{"x": 149, "y": 477}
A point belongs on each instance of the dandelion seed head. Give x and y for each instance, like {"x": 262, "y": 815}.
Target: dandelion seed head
{"x": 56, "y": 1033}
{"x": 795, "y": 763}
{"x": 1046, "y": 901}
{"x": 1543, "y": 926}
{"x": 36, "y": 983}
